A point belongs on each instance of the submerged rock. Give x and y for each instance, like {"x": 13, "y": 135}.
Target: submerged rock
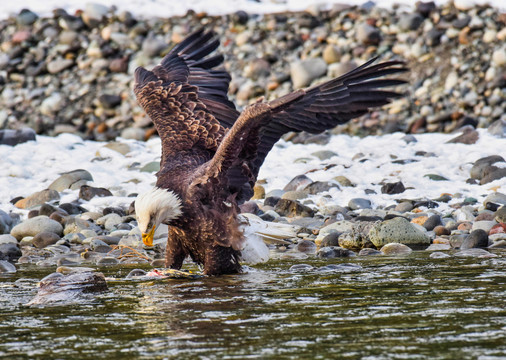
{"x": 57, "y": 288}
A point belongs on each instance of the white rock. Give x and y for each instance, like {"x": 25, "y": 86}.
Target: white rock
{"x": 499, "y": 57}
{"x": 305, "y": 71}
{"x": 51, "y": 104}
{"x": 489, "y": 36}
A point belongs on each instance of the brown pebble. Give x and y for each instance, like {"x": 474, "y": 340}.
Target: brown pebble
{"x": 57, "y": 216}
{"x": 32, "y": 213}
{"x": 420, "y": 220}
{"x": 101, "y": 128}
{"x": 487, "y": 216}
{"x": 441, "y": 230}
{"x": 440, "y": 240}
{"x": 306, "y": 246}
{"x": 465, "y": 226}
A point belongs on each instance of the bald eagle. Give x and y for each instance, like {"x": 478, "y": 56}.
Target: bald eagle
{"x": 211, "y": 153}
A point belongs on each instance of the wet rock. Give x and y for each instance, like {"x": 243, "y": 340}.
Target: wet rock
{"x": 306, "y": 246}
{"x": 495, "y": 198}
{"x": 7, "y": 238}
{"x": 119, "y": 147}
{"x": 306, "y": 71}
{"x": 301, "y": 267}
{"x": 398, "y": 230}
{"x": 441, "y": 230}
{"x": 358, "y": 237}
{"x": 5, "y": 222}
{"x": 500, "y": 214}
{"x": 331, "y": 239}
{"x": 369, "y": 252}
{"x": 476, "y": 239}
{"x": 26, "y": 17}
{"x": 240, "y": 17}
{"x": 136, "y": 273}
{"x": 107, "y": 261}
{"x": 395, "y": 249}
{"x": 59, "y": 288}
{"x": 404, "y": 206}
{"x": 72, "y": 209}
{"x": 368, "y": 35}
{"x": 110, "y": 221}
{"x": 37, "y": 199}
{"x": 474, "y": 253}
{"x": 393, "y": 188}
{"x": 344, "y": 181}
{"x": 359, "y": 203}
{"x": 58, "y": 65}
{"x": 45, "y": 238}
{"x": 483, "y": 225}
{"x": 94, "y": 13}
{"x": 319, "y": 187}
{"x": 439, "y": 255}
{"x": 257, "y": 68}
{"x": 70, "y": 179}
{"x": 492, "y": 173}
{"x": 468, "y": 137}
{"x": 89, "y": 192}
{"x": 331, "y": 54}
{"x": 33, "y": 226}
{"x": 6, "y": 267}
{"x": 294, "y": 195}
{"x": 498, "y": 128}
{"x": 346, "y": 267}
{"x": 409, "y": 22}
{"x": 425, "y": 7}
{"x": 334, "y": 252}
{"x": 298, "y": 183}
{"x": 438, "y": 247}
{"x": 291, "y": 208}
{"x": 52, "y": 104}
{"x": 10, "y": 252}
{"x": 324, "y": 154}
{"x": 14, "y": 137}
{"x": 153, "y": 46}
{"x": 432, "y": 222}
{"x": 109, "y": 101}
{"x": 153, "y": 166}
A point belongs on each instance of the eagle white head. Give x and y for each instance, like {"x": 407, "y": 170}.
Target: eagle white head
{"x": 154, "y": 207}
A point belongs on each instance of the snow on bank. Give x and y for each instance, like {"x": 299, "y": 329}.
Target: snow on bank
{"x": 32, "y": 166}
{"x": 164, "y": 8}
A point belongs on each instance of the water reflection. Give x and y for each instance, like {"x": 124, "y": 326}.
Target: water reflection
{"x": 412, "y": 307}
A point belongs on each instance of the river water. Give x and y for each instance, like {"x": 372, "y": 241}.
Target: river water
{"x": 411, "y": 307}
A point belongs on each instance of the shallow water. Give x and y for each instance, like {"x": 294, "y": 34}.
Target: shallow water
{"x": 409, "y": 307}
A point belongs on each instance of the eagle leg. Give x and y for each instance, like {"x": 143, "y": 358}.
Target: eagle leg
{"x": 221, "y": 260}
{"x": 174, "y": 252}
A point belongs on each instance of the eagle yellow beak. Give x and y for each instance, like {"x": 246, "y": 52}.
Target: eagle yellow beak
{"x": 147, "y": 238}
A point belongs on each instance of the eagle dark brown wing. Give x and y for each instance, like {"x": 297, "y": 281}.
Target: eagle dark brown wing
{"x": 317, "y": 109}
{"x": 332, "y": 103}
{"x": 185, "y": 97}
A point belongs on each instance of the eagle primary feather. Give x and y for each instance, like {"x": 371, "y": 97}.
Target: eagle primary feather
{"x": 211, "y": 153}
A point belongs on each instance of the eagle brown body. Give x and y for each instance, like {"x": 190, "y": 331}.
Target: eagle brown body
{"x": 211, "y": 154}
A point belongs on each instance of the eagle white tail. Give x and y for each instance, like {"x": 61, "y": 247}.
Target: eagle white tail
{"x": 258, "y": 233}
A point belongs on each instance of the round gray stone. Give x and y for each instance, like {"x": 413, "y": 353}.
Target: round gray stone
{"x": 35, "y": 225}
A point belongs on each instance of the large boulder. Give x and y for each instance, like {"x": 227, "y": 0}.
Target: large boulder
{"x": 398, "y": 230}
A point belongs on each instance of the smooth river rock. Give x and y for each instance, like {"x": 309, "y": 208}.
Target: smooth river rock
{"x": 398, "y": 230}
{"x": 35, "y": 225}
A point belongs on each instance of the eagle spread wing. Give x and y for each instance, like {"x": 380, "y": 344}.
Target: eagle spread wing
{"x": 186, "y": 97}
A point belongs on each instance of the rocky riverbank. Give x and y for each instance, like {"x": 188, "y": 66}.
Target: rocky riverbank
{"x": 419, "y": 195}
{"x": 65, "y": 201}
{"x": 73, "y": 72}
